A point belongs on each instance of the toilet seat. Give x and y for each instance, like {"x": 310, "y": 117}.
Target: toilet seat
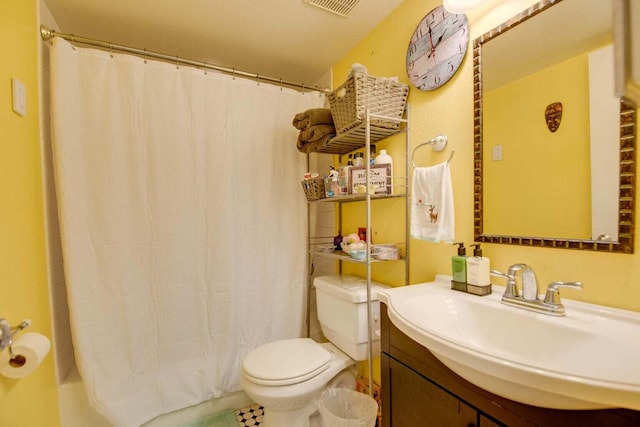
{"x": 286, "y": 362}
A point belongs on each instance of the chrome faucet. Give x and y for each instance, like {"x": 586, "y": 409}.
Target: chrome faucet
{"x": 529, "y": 282}
{"x": 529, "y": 300}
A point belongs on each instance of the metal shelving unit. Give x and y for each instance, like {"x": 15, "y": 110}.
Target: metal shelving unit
{"x": 360, "y": 137}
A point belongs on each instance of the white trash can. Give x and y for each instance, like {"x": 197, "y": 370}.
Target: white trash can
{"x": 340, "y": 407}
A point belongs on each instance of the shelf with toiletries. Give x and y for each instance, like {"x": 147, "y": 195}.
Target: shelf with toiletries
{"x": 343, "y": 256}
{"x": 392, "y": 186}
{"x": 356, "y": 198}
{"x": 383, "y": 252}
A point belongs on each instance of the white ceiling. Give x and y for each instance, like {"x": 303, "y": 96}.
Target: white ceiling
{"x": 287, "y": 39}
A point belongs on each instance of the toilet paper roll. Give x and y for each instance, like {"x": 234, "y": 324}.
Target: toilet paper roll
{"x": 29, "y": 350}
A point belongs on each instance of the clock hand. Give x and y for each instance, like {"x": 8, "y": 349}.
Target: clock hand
{"x": 433, "y": 46}
{"x": 431, "y": 41}
{"x": 438, "y": 41}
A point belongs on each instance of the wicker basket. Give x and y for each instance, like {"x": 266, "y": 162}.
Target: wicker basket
{"x": 360, "y": 92}
{"x": 314, "y": 189}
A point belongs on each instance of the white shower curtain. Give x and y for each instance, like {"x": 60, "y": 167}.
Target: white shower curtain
{"x": 182, "y": 223}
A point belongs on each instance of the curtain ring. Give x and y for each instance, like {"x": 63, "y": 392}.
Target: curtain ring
{"x": 145, "y": 56}
{"x": 281, "y": 84}
{"x": 110, "y": 50}
{"x": 73, "y": 40}
{"x": 177, "y": 64}
{"x": 303, "y": 89}
{"x": 233, "y": 73}
{"x": 258, "y": 77}
{"x": 205, "y": 67}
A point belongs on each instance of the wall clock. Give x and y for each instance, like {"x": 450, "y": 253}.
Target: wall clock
{"x": 437, "y": 48}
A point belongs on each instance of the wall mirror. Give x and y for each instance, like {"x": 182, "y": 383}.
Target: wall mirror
{"x": 554, "y": 148}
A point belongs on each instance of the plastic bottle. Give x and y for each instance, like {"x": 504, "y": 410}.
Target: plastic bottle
{"x": 359, "y": 160}
{"x": 382, "y": 159}
{"x": 478, "y": 268}
{"x": 334, "y": 175}
{"x": 345, "y": 174}
{"x": 459, "y": 269}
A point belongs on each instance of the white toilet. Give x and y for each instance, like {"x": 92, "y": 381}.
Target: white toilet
{"x": 286, "y": 377}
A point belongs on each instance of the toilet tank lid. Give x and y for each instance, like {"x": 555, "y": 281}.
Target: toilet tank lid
{"x": 348, "y": 288}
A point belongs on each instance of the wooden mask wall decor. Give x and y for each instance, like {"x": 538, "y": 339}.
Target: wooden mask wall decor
{"x": 553, "y": 116}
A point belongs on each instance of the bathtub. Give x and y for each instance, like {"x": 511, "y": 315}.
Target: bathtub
{"x": 76, "y": 411}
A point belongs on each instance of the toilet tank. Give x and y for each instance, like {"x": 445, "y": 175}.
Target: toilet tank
{"x": 342, "y": 312}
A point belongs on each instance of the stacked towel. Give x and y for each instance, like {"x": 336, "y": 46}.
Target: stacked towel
{"x": 312, "y": 117}
{"x": 316, "y": 129}
{"x": 432, "y": 215}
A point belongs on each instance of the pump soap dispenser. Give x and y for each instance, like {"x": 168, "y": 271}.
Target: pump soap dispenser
{"x": 478, "y": 273}
{"x": 459, "y": 269}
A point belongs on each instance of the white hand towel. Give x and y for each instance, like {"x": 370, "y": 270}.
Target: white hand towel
{"x": 432, "y": 214}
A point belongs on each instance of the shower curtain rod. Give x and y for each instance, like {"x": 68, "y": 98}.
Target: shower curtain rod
{"x": 47, "y": 34}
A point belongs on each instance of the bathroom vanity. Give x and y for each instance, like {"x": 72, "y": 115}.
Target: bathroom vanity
{"x": 418, "y": 390}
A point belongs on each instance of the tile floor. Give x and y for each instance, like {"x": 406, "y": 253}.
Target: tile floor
{"x": 250, "y": 416}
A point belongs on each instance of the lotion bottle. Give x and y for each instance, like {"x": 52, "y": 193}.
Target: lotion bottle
{"x": 459, "y": 269}
{"x": 478, "y": 272}
{"x": 384, "y": 158}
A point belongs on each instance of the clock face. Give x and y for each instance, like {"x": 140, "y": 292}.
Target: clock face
{"x": 437, "y": 48}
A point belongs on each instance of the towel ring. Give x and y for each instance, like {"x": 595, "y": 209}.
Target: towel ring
{"x": 439, "y": 143}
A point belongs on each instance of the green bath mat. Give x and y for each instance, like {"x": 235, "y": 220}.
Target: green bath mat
{"x": 219, "y": 419}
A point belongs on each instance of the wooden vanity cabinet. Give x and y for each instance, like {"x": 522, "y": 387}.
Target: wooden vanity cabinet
{"x": 419, "y": 391}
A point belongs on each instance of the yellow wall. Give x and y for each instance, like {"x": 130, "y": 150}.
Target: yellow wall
{"x": 31, "y": 401}
{"x": 609, "y": 279}
{"x": 553, "y": 168}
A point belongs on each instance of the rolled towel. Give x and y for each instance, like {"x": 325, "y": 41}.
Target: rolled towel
{"x": 312, "y": 117}
{"x": 310, "y": 147}
{"x": 316, "y": 132}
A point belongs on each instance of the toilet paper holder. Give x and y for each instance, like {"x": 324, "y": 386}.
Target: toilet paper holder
{"x": 7, "y": 332}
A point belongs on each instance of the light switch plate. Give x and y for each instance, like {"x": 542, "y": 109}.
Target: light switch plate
{"x": 19, "y": 97}
{"x": 496, "y": 152}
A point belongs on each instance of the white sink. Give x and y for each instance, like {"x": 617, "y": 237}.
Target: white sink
{"x": 589, "y": 359}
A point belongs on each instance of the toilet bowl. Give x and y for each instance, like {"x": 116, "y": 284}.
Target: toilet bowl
{"x": 290, "y": 401}
{"x": 288, "y": 376}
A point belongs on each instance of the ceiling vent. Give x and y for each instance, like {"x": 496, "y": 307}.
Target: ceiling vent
{"x": 339, "y": 7}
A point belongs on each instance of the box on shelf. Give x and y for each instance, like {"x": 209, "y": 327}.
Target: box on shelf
{"x": 361, "y": 92}
{"x": 386, "y": 252}
{"x": 379, "y": 178}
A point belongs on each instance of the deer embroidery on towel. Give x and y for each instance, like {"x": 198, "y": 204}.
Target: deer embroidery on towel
{"x": 434, "y": 216}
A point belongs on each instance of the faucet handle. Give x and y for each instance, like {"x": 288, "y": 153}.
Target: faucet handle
{"x": 552, "y": 296}
{"x": 511, "y": 290}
